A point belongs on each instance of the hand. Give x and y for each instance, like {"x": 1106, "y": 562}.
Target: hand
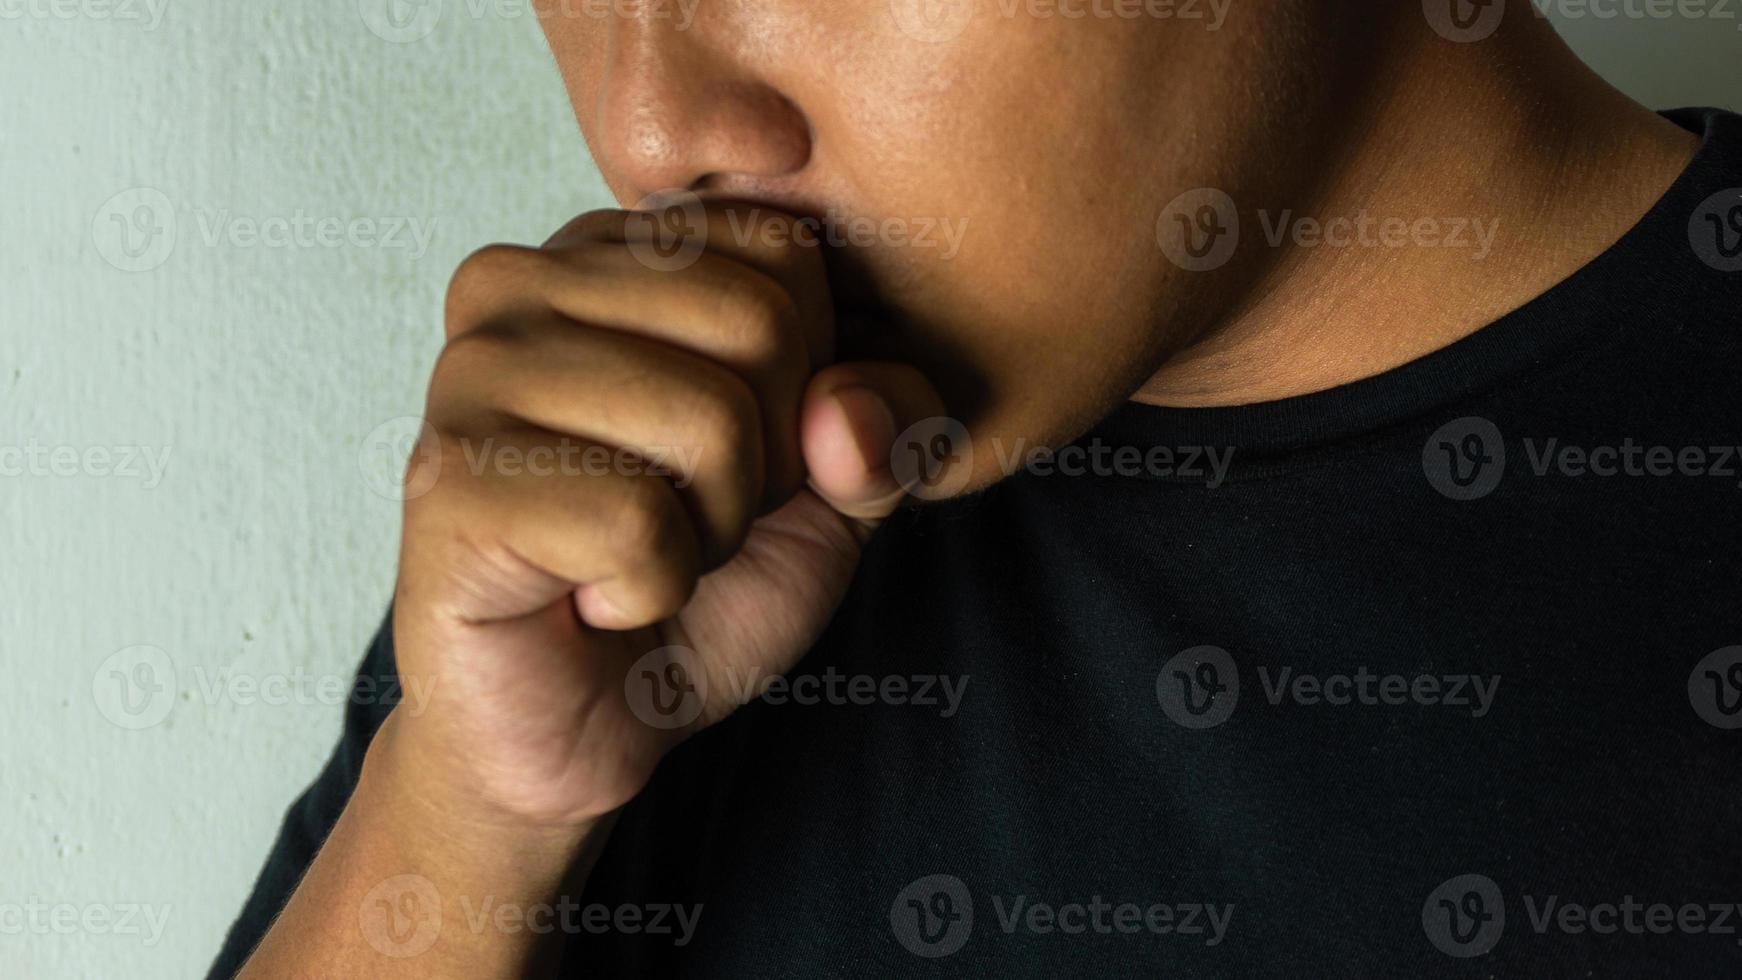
{"x": 535, "y": 606}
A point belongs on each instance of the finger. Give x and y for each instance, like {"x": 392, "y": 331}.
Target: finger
{"x": 530, "y": 517}
{"x": 688, "y": 417}
{"x": 781, "y": 246}
{"x": 853, "y": 415}
{"x": 718, "y": 309}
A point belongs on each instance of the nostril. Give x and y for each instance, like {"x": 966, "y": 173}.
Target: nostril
{"x": 682, "y": 128}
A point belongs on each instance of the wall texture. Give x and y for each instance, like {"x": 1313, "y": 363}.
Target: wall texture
{"x": 224, "y": 233}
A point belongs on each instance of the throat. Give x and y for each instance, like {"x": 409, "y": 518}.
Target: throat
{"x": 1485, "y": 177}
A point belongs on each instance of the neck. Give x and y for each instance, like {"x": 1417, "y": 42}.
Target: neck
{"x": 1474, "y": 178}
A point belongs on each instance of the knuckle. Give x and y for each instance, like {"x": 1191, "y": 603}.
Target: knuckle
{"x": 479, "y": 352}
{"x": 661, "y": 591}
{"x": 723, "y": 415}
{"x": 435, "y": 476}
{"x": 756, "y": 315}
{"x": 481, "y": 273}
{"x": 648, "y": 524}
{"x": 488, "y": 265}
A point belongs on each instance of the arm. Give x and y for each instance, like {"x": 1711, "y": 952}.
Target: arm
{"x": 540, "y": 594}
{"x": 410, "y": 877}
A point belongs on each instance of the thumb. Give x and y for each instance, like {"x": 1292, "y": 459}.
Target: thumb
{"x": 852, "y": 417}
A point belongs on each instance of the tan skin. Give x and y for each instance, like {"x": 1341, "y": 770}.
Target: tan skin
{"x": 524, "y": 600}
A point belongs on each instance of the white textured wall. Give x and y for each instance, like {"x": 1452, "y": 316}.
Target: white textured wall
{"x": 152, "y": 324}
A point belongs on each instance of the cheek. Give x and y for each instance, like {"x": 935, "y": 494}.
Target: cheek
{"x": 1003, "y": 130}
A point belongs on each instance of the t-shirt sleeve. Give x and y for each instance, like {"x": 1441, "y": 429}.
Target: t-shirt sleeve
{"x": 374, "y": 692}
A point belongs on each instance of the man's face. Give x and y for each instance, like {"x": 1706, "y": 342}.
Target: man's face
{"x": 994, "y": 170}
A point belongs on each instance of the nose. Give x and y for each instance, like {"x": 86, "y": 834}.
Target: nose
{"x": 677, "y": 111}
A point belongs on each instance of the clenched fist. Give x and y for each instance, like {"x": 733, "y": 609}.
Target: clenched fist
{"x": 528, "y": 593}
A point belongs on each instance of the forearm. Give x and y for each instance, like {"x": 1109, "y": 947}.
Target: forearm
{"x": 415, "y": 883}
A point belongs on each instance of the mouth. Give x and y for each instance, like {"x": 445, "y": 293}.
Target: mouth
{"x": 865, "y": 323}
{"x": 859, "y": 328}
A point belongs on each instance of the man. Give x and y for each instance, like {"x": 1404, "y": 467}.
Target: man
{"x": 1326, "y": 563}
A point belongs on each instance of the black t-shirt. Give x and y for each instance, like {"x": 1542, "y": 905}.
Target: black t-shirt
{"x": 1435, "y": 673}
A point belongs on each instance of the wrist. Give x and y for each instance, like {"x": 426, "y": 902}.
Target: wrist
{"x": 410, "y": 780}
